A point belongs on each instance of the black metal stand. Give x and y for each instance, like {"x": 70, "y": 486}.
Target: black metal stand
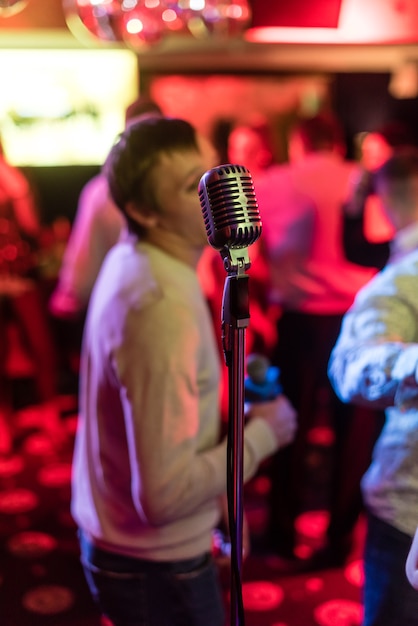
{"x": 235, "y": 319}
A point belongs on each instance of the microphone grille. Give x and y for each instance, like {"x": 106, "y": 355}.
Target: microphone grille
{"x": 229, "y": 207}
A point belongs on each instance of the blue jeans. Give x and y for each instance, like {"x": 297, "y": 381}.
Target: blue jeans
{"x": 134, "y": 592}
{"x": 389, "y": 599}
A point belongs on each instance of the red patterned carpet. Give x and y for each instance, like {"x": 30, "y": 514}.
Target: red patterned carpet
{"x": 41, "y": 581}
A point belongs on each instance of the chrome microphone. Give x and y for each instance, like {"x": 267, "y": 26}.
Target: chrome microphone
{"x": 230, "y": 208}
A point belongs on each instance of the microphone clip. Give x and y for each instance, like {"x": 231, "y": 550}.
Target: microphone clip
{"x": 236, "y": 260}
{"x": 235, "y": 311}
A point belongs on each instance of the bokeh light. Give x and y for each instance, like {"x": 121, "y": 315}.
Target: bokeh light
{"x": 142, "y": 23}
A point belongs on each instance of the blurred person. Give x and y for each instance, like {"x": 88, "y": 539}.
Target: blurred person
{"x": 412, "y": 562}
{"x": 96, "y": 228}
{"x": 249, "y": 145}
{"x": 219, "y": 136}
{"x": 21, "y": 302}
{"x": 313, "y": 284}
{"x": 149, "y": 471}
{"x": 367, "y": 232}
{"x": 375, "y": 363}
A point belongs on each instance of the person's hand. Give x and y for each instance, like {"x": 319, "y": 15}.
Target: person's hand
{"x": 412, "y": 562}
{"x": 280, "y": 415}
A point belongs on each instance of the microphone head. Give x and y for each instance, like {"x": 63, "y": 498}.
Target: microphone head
{"x": 229, "y": 206}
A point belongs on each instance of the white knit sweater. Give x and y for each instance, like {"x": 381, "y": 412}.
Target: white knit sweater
{"x": 148, "y": 470}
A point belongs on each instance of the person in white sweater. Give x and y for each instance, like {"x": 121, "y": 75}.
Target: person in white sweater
{"x": 149, "y": 469}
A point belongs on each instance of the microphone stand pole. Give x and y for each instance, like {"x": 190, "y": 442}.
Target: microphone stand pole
{"x": 235, "y": 319}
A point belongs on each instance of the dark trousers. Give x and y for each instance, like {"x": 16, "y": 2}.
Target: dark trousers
{"x": 135, "y": 592}
{"x": 389, "y": 599}
{"x": 304, "y": 345}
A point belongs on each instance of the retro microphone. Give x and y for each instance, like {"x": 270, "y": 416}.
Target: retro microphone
{"x": 230, "y": 211}
{"x": 232, "y": 221}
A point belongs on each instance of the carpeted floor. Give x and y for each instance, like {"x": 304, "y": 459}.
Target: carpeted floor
{"x": 41, "y": 581}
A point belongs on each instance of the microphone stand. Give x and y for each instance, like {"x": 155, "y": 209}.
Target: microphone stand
{"x": 235, "y": 319}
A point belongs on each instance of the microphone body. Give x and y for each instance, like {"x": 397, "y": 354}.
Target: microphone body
{"x": 262, "y": 383}
{"x": 230, "y": 208}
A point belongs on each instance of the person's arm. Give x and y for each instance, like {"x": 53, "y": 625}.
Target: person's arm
{"x": 161, "y": 381}
{"x": 356, "y": 246}
{"x": 96, "y": 228}
{"x": 412, "y": 562}
{"x": 288, "y": 233}
{"x": 375, "y": 358}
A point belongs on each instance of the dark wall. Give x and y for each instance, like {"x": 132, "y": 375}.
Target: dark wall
{"x": 58, "y": 188}
{"x": 363, "y": 103}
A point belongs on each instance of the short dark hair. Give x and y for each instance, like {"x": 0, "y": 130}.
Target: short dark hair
{"x": 321, "y": 132}
{"x": 135, "y": 154}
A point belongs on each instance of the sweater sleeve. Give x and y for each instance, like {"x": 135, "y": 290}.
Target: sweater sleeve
{"x": 172, "y": 415}
{"x": 376, "y": 356}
